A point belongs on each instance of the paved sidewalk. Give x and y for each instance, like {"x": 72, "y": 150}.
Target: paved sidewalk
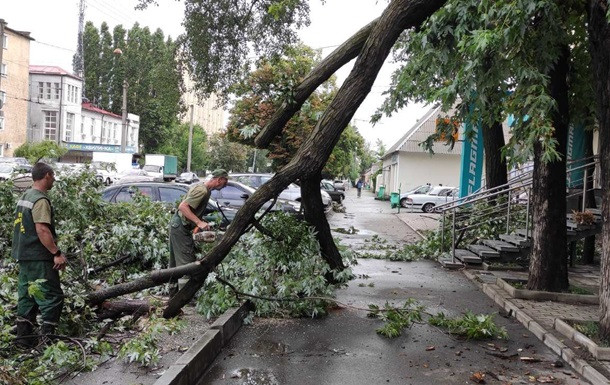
{"x": 539, "y": 316}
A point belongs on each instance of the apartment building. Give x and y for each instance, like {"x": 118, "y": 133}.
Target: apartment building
{"x": 206, "y": 113}
{"x": 14, "y": 78}
{"x": 57, "y": 113}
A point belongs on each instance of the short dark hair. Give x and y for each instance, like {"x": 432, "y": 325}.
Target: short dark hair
{"x": 40, "y": 170}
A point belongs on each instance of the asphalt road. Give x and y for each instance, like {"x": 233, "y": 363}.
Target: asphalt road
{"x": 343, "y": 348}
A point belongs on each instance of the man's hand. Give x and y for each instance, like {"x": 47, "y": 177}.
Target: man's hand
{"x": 59, "y": 262}
{"x": 202, "y": 225}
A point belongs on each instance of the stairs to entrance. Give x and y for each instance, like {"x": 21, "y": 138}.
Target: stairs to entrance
{"x": 516, "y": 246}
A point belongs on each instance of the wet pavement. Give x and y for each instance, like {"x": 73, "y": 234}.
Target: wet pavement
{"x": 343, "y": 348}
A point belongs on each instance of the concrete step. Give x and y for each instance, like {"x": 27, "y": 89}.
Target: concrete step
{"x": 571, "y": 225}
{"x": 521, "y": 233}
{"x": 484, "y": 252}
{"x": 447, "y": 262}
{"x": 501, "y": 246}
{"x": 468, "y": 257}
{"x": 516, "y": 240}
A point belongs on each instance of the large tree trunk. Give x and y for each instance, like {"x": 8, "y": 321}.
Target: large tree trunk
{"x": 311, "y": 199}
{"x": 495, "y": 163}
{"x": 549, "y": 256}
{"x": 588, "y": 252}
{"x": 311, "y": 157}
{"x": 599, "y": 38}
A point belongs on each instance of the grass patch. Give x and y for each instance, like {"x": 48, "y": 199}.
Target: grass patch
{"x": 591, "y": 330}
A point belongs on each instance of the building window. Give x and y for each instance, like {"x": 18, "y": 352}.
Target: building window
{"x": 1, "y": 120}
{"x": 3, "y": 97}
{"x": 48, "y": 90}
{"x": 93, "y": 128}
{"x": 3, "y": 70}
{"x": 82, "y": 126}
{"x": 5, "y": 41}
{"x": 50, "y": 125}
{"x": 57, "y": 91}
{"x": 69, "y": 126}
{"x": 40, "y": 90}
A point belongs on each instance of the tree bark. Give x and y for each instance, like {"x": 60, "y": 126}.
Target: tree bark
{"x": 588, "y": 252}
{"x": 311, "y": 199}
{"x": 311, "y": 157}
{"x": 495, "y": 163}
{"x": 323, "y": 71}
{"x": 308, "y": 161}
{"x": 549, "y": 256}
{"x": 599, "y": 40}
{"x": 114, "y": 309}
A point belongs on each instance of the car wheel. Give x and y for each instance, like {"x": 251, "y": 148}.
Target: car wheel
{"x": 428, "y": 208}
{"x": 403, "y": 203}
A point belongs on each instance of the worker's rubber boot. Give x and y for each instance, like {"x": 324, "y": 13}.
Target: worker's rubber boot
{"x": 25, "y": 335}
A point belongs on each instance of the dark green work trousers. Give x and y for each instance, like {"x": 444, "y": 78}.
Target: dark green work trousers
{"x": 51, "y": 298}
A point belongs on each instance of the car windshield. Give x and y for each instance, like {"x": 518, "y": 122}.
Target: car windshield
{"x": 185, "y": 175}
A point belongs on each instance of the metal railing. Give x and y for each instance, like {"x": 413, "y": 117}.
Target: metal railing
{"x": 510, "y": 202}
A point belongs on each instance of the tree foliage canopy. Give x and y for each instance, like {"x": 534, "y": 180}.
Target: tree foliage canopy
{"x": 148, "y": 64}
{"x": 492, "y": 58}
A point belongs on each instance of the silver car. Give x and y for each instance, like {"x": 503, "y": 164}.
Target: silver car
{"x": 437, "y": 196}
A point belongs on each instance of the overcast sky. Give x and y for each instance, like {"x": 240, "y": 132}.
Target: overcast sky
{"x": 54, "y": 25}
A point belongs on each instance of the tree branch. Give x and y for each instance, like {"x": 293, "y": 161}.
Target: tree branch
{"x": 324, "y": 70}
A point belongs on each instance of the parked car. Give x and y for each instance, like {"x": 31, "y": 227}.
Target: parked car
{"x": 341, "y": 184}
{"x": 12, "y": 159}
{"x": 187, "y": 177}
{"x": 423, "y": 189}
{"x": 135, "y": 175}
{"x": 291, "y": 193}
{"x": 235, "y": 194}
{"x": 166, "y": 193}
{"x": 438, "y": 195}
{"x": 335, "y": 194}
{"x": 104, "y": 172}
{"x": 13, "y": 170}
{"x": 20, "y": 174}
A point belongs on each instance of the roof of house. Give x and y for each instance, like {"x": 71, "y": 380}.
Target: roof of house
{"x": 51, "y": 70}
{"x": 20, "y": 33}
{"x": 420, "y": 131}
{"x": 90, "y": 107}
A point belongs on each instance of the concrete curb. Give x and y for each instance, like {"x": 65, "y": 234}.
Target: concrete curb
{"x": 191, "y": 366}
{"x": 503, "y": 300}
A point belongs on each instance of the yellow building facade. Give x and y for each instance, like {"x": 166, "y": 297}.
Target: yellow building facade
{"x": 14, "y": 89}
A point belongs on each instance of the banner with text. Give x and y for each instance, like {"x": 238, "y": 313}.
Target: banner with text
{"x": 472, "y": 160}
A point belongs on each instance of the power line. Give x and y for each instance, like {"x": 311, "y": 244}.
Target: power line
{"x": 54, "y": 46}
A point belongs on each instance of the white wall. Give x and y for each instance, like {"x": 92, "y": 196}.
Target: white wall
{"x": 421, "y": 168}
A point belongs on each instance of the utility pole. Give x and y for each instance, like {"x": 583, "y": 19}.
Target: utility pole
{"x": 2, "y": 23}
{"x": 188, "y": 154}
{"x": 124, "y": 118}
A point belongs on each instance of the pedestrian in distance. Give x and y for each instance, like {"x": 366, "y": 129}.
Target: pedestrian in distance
{"x": 187, "y": 219}
{"x": 39, "y": 258}
{"x": 359, "y": 186}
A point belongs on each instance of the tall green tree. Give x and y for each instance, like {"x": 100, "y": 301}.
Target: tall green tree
{"x": 177, "y": 144}
{"x": 91, "y": 47}
{"x": 226, "y": 154}
{"x": 147, "y": 63}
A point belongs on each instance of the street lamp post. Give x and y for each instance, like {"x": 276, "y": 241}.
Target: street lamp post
{"x": 119, "y": 52}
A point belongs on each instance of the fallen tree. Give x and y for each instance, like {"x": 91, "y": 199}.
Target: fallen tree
{"x": 309, "y": 160}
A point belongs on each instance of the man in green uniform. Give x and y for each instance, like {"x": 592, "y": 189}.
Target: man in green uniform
{"x": 35, "y": 248}
{"x": 187, "y": 218}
